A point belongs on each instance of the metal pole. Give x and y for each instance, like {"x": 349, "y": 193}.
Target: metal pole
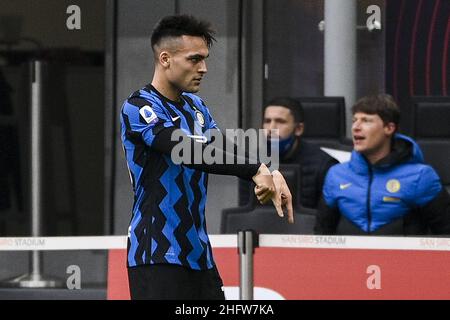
{"x": 247, "y": 242}
{"x": 340, "y": 52}
{"x": 35, "y": 279}
{"x": 36, "y": 161}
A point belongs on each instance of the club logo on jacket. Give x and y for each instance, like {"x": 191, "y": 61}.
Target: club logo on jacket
{"x": 200, "y": 118}
{"x": 393, "y": 185}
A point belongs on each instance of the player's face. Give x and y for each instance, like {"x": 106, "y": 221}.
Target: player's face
{"x": 371, "y": 136}
{"x": 187, "y": 64}
{"x": 281, "y": 118}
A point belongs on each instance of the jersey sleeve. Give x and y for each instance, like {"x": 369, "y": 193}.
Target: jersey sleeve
{"x": 144, "y": 120}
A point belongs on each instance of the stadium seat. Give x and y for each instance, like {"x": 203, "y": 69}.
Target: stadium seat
{"x": 325, "y": 121}
{"x": 431, "y": 117}
{"x": 432, "y": 132}
{"x": 264, "y": 220}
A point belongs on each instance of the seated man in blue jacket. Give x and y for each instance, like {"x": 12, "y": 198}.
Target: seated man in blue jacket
{"x": 286, "y": 115}
{"x": 385, "y": 188}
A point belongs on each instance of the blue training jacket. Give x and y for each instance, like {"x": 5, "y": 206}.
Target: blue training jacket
{"x": 372, "y": 196}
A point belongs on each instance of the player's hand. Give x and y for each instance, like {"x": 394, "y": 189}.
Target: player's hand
{"x": 283, "y": 194}
{"x": 265, "y": 188}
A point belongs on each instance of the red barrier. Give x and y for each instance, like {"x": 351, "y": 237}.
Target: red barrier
{"x": 117, "y": 275}
{"x": 303, "y": 273}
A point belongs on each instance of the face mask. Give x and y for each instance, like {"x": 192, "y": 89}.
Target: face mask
{"x": 282, "y": 145}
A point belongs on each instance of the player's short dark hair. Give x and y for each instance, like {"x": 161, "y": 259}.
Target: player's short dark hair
{"x": 180, "y": 25}
{"x": 382, "y": 105}
{"x": 290, "y": 103}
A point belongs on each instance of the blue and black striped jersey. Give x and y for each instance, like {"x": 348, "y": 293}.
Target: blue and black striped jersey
{"x": 168, "y": 222}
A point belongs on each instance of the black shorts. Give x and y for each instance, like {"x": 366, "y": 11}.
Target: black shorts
{"x": 174, "y": 282}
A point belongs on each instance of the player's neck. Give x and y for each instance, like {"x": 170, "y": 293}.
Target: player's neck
{"x": 166, "y": 89}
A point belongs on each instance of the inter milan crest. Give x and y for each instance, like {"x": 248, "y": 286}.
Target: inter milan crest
{"x": 200, "y": 118}
{"x": 393, "y": 185}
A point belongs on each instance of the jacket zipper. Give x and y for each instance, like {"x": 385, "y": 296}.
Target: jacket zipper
{"x": 369, "y": 214}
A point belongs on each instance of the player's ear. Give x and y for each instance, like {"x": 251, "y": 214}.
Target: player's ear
{"x": 164, "y": 59}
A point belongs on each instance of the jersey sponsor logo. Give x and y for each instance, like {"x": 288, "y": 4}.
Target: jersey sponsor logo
{"x": 393, "y": 185}
{"x": 344, "y": 186}
{"x": 200, "y": 118}
{"x": 148, "y": 114}
{"x": 175, "y": 118}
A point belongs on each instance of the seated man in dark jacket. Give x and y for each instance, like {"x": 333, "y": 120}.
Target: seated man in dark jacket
{"x": 286, "y": 115}
{"x": 385, "y": 188}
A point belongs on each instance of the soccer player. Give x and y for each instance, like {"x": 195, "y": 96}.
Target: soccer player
{"x": 169, "y": 252}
